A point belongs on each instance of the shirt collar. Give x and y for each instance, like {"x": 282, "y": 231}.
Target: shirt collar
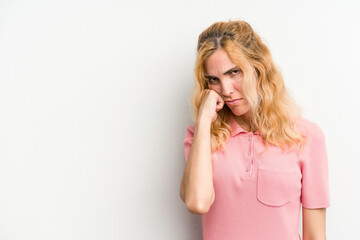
{"x": 236, "y": 128}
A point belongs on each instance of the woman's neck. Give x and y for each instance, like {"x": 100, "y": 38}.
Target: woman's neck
{"x": 243, "y": 121}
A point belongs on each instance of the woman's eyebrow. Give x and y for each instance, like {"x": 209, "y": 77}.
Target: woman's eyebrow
{"x": 227, "y": 72}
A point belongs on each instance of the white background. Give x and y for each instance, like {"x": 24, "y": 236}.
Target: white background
{"x": 95, "y": 100}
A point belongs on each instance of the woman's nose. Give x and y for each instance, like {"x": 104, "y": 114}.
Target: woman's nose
{"x": 227, "y": 88}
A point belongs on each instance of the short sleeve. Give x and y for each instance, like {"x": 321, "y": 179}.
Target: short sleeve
{"x": 188, "y": 140}
{"x": 315, "y": 180}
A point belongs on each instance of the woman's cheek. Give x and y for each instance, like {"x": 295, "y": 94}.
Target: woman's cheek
{"x": 211, "y": 87}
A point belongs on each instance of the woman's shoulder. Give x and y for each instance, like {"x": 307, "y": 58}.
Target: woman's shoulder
{"x": 190, "y": 128}
{"x": 307, "y": 127}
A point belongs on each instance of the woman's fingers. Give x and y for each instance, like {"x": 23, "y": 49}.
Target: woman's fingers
{"x": 219, "y": 105}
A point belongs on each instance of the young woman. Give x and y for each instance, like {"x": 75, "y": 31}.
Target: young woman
{"x": 251, "y": 159}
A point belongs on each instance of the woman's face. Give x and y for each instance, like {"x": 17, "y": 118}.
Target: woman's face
{"x": 224, "y": 77}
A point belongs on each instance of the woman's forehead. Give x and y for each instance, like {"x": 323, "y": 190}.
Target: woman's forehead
{"x": 218, "y": 62}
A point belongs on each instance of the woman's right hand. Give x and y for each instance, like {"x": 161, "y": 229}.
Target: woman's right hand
{"x": 211, "y": 103}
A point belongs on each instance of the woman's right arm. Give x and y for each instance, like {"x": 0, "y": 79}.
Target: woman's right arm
{"x": 197, "y": 189}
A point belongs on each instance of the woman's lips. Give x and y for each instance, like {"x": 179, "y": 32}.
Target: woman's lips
{"x": 234, "y": 102}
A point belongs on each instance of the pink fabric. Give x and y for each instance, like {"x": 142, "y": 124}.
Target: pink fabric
{"x": 264, "y": 202}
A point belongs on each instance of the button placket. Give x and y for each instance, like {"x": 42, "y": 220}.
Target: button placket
{"x": 250, "y": 155}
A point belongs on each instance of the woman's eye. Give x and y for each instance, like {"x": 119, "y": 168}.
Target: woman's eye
{"x": 235, "y": 71}
{"x": 211, "y": 80}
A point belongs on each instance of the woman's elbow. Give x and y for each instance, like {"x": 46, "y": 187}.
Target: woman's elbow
{"x": 198, "y": 207}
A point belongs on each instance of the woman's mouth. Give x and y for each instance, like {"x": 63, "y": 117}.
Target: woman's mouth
{"x": 234, "y": 102}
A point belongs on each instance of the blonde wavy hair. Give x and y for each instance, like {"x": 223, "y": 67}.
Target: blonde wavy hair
{"x": 273, "y": 111}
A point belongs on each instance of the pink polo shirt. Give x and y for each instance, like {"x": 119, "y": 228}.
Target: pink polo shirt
{"x": 259, "y": 197}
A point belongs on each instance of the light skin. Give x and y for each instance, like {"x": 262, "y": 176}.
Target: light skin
{"x": 314, "y": 223}
{"x": 224, "y": 80}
